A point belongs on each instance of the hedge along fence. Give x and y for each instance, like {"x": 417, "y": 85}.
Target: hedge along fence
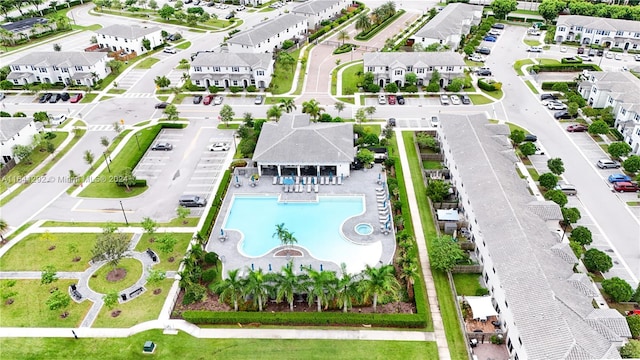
{"x": 305, "y": 319}
{"x": 374, "y": 30}
{"x": 339, "y": 21}
{"x": 489, "y": 86}
{"x": 207, "y": 227}
{"x": 564, "y": 67}
{"x": 548, "y": 85}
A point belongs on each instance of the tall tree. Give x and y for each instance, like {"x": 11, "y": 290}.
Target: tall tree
{"x": 346, "y": 289}
{"x": 256, "y": 287}
{"x": 379, "y": 281}
{"x": 287, "y": 284}
{"x": 321, "y": 287}
{"x": 232, "y": 287}
{"x": 363, "y": 23}
{"x": 438, "y": 190}
{"x": 445, "y": 253}
{"x": 274, "y": 112}
{"x": 88, "y": 158}
{"x": 343, "y": 36}
{"x": 110, "y": 245}
{"x": 162, "y": 81}
{"x": 4, "y": 227}
{"x": 556, "y": 166}
{"x": 503, "y": 7}
{"x": 226, "y": 114}
{"x": 288, "y": 105}
{"x": 339, "y": 106}
{"x": 149, "y": 225}
{"x": 172, "y": 112}
{"x": 127, "y": 178}
{"x": 313, "y": 108}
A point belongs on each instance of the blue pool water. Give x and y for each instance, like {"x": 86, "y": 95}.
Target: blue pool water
{"x": 316, "y": 226}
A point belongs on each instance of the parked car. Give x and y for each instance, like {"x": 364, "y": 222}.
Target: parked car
{"x": 455, "y": 100}
{"x": 465, "y": 99}
{"x": 614, "y": 178}
{"x": 563, "y": 49}
{"x": 64, "y": 96}
{"x": 580, "y": 50}
{"x": 58, "y": 119}
{"x": 584, "y": 57}
{"x": 382, "y": 100}
{"x": 636, "y": 57}
{"x": 495, "y": 32}
{"x": 75, "y": 98}
{"x": 577, "y": 128}
{"x": 618, "y": 57}
{"x": 391, "y": 122}
{"x": 593, "y": 52}
{"x": 444, "y": 99}
{"x": 626, "y": 187}
{"x": 483, "y": 71}
{"x": 219, "y": 147}
{"x": 530, "y": 138}
{"x": 163, "y": 146}
{"x": 534, "y": 49}
{"x": 600, "y": 52}
{"x": 497, "y": 26}
{"x": 230, "y": 15}
{"x": 609, "y": 55}
{"x": 567, "y": 189}
{"x": 548, "y": 97}
{"x": 258, "y": 100}
{"x": 608, "y": 164}
{"x": 240, "y": 8}
{"x": 197, "y": 99}
{"x": 44, "y": 98}
{"x": 562, "y": 114}
{"x": 207, "y": 99}
{"x": 538, "y": 151}
{"x": 192, "y": 201}
{"x": 435, "y": 121}
{"x": 533, "y": 32}
{"x": 217, "y": 100}
{"x": 483, "y": 51}
{"x": 477, "y": 58}
{"x": 556, "y": 105}
{"x": 391, "y": 99}
{"x": 2, "y": 96}
{"x": 170, "y": 50}
{"x": 400, "y": 99}
{"x": 490, "y": 38}
{"x": 54, "y": 98}
{"x": 162, "y": 105}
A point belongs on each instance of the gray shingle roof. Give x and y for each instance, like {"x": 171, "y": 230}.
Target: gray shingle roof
{"x": 550, "y": 314}
{"x": 61, "y": 58}
{"x": 127, "y": 31}
{"x": 582, "y": 282}
{"x": 10, "y": 126}
{"x": 448, "y": 21}
{"x": 262, "y": 32}
{"x": 313, "y": 7}
{"x": 294, "y": 140}
{"x": 598, "y": 23}
{"x": 232, "y": 59}
{"x": 622, "y": 85}
{"x": 547, "y": 210}
{"x": 402, "y": 59}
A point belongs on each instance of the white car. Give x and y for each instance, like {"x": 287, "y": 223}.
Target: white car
{"x": 609, "y": 55}
{"x": 455, "y": 100}
{"x": 217, "y": 100}
{"x": 169, "y": 50}
{"x": 219, "y": 147}
{"x": 240, "y": 8}
{"x": 435, "y": 121}
{"x": 636, "y": 57}
{"x": 563, "y": 49}
{"x": 538, "y": 151}
{"x": 444, "y": 100}
{"x": 382, "y": 100}
{"x": 477, "y": 58}
{"x": 618, "y": 56}
{"x": 58, "y": 119}
{"x": 556, "y": 105}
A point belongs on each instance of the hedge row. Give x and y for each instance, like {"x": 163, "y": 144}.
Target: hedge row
{"x": 374, "y": 30}
{"x": 305, "y": 319}
{"x": 325, "y": 29}
{"x": 565, "y": 67}
{"x": 207, "y": 227}
{"x": 138, "y": 183}
{"x": 486, "y": 86}
{"x": 548, "y": 85}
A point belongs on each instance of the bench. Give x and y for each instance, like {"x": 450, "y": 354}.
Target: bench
{"x": 152, "y": 255}
{"x": 74, "y": 292}
{"x": 136, "y": 292}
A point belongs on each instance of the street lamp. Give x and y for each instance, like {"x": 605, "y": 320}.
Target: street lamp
{"x": 235, "y": 146}
{"x": 106, "y": 160}
{"x": 137, "y": 142}
{"x": 124, "y": 214}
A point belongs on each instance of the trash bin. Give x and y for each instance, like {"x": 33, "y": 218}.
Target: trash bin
{"x": 149, "y": 347}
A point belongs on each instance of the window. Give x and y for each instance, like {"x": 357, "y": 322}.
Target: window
{"x": 216, "y": 82}
{"x": 15, "y": 67}
{"x": 509, "y": 345}
{"x": 562, "y": 28}
{"x": 42, "y": 70}
{"x": 420, "y": 71}
{"x": 116, "y": 39}
{"x": 103, "y": 36}
{"x": 235, "y": 69}
{"x": 260, "y": 73}
{"x": 216, "y": 69}
{"x": 197, "y": 68}
{"x": 430, "y": 68}
{"x": 398, "y": 72}
{"x": 56, "y": 68}
{"x": 370, "y": 68}
{"x": 235, "y": 82}
{"x": 198, "y": 82}
{"x": 578, "y": 28}
{"x": 125, "y": 40}
{"x": 59, "y": 78}
{"x": 449, "y": 68}
{"x": 78, "y": 82}
{"x": 78, "y": 68}
{"x": 589, "y": 31}
{"x": 619, "y": 33}
{"x": 386, "y": 68}
{"x": 409, "y": 68}
{"x": 65, "y": 70}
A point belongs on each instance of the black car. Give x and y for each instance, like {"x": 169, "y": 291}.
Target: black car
{"x": 484, "y": 72}
{"x": 391, "y": 122}
{"x": 65, "y": 96}
{"x": 230, "y": 15}
{"x": 44, "y": 98}
{"x": 162, "y": 105}
{"x": 530, "y": 138}
{"x": 400, "y": 99}
{"x": 497, "y": 26}
{"x": 600, "y": 52}
{"x": 197, "y": 99}
{"x": 465, "y": 99}
{"x": 483, "y": 51}
{"x": 548, "y": 97}
{"x": 162, "y": 147}
{"x": 562, "y": 114}
{"x": 54, "y": 98}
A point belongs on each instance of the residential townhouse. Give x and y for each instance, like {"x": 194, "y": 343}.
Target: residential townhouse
{"x": 545, "y": 307}
{"x": 27, "y": 27}
{"x": 611, "y": 33}
{"x": 16, "y": 131}
{"x": 449, "y": 26}
{"x": 129, "y": 38}
{"x": 69, "y": 68}
{"x": 621, "y": 92}
{"x": 391, "y": 67}
{"x": 269, "y": 35}
{"x": 318, "y": 10}
{"x": 232, "y": 69}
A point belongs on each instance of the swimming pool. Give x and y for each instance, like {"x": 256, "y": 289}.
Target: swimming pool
{"x": 316, "y": 226}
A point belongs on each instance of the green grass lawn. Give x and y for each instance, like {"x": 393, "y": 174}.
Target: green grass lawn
{"x": 147, "y": 63}
{"x": 32, "y": 253}
{"x": 531, "y": 87}
{"x": 496, "y": 94}
{"x": 478, "y": 99}
{"x": 178, "y": 251}
{"x": 99, "y": 283}
{"x": 548, "y": 61}
{"x": 168, "y": 346}
{"x": 351, "y": 79}
{"x": 534, "y": 174}
{"x": 183, "y": 45}
{"x": 372, "y": 128}
{"x": 519, "y": 64}
{"x": 88, "y": 98}
{"x": 29, "y": 308}
{"x": 349, "y": 100}
{"x": 431, "y": 165}
{"x": 272, "y": 100}
{"x": 532, "y": 42}
{"x": 455, "y": 338}
{"x": 467, "y": 284}
{"x": 117, "y": 91}
{"x": 143, "y": 308}
{"x": 191, "y": 222}
{"x": 283, "y": 76}
{"x": 105, "y": 98}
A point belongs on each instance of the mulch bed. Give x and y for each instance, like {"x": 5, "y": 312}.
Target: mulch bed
{"x": 116, "y": 275}
{"x": 288, "y": 252}
{"x": 115, "y": 313}
{"x": 157, "y": 291}
{"x": 52, "y": 247}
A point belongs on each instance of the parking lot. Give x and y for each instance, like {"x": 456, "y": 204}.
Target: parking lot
{"x": 227, "y": 99}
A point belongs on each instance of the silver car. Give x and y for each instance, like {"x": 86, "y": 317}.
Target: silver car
{"x": 444, "y": 99}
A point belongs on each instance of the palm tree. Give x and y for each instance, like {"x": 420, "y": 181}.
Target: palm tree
{"x": 321, "y": 286}
{"x": 288, "y": 105}
{"x": 409, "y": 272}
{"x": 378, "y": 15}
{"x": 4, "y": 226}
{"x": 274, "y": 112}
{"x": 378, "y": 281}
{"x": 339, "y": 107}
{"x": 256, "y": 286}
{"x": 313, "y": 108}
{"x": 346, "y": 289}
{"x": 363, "y": 23}
{"x": 231, "y": 286}
{"x": 287, "y": 283}
{"x": 343, "y": 35}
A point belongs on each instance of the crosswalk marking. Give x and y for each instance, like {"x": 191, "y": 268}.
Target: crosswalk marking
{"x": 100, "y": 128}
{"x": 138, "y": 95}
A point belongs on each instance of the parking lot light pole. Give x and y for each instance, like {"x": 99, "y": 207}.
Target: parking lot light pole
{"x": 124, "y": 214}
{"x": 106, "y": 160}
{"x": 137, "y": 142}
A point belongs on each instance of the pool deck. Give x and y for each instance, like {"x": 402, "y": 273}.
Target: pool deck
{"x": 361, "y": 182}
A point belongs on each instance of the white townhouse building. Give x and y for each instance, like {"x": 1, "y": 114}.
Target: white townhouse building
{"x": 232, "y": 69}
{"x": 449, "y": 26}
{"x": 69, "y": 68}
{"x": 129, "y": 38}
{"x": 388, "y": 67}
{"x": 611, "y": 33}
{"x": 269, "y": 35}
{"x": 621, "y": 92}
{"x": 16, "y": 131}
{"x": 545, "y": 307}
{"x": 318, "y": 10}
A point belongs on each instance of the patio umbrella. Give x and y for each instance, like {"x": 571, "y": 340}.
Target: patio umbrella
{"x": 320, "y": 267}
{"x": 384, "y": 204}
{"x": 330, "y": 175}
{"x": 386, "y": 225}
{"x": 221, "y": 232}
{"x": 237, "y": 179}
{"x": 252, "y": 266}
{"x": 341, "y": 177}
{"x": 313, "y": 180}
{"x": 269, "y": 267}
{"x": 379, "y": 176}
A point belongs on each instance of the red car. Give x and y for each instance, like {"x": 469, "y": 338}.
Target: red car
{"x": 391, "y": 100}
{"x": 75, "y": 98}
{"x": 624, "y": 186}
{"x": 577, "y": 128}
{"x": 208, "y": 99}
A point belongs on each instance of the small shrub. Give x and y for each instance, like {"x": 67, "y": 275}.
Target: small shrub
{"x": 209, "y": 275}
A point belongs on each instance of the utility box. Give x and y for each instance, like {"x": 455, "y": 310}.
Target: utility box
{"x": 149, "y": 347}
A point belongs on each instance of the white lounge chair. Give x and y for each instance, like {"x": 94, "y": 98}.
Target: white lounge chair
{"x": 281, "y": 180}
{"x": 334, "y": 181}
{"x": 340, "y": 181}
{"x": 275, "y": 180}
{"x": 297, "y": 180}
{"x": 321, "y": 180}
{"x": 316, "y": 187}
{"x": 308, "y": 188}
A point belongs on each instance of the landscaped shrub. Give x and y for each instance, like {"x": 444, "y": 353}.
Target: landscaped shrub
{"x": 375, "y": 29}
{"x": 391, "y": 88}
{"x": 487, "y": 86}
{"x": 565, "y": 67}
{"x": 618, "y": 289}
{"x": 214, "y": 89}
{"x": 596, "y": 260}
{"x": 433, "y": 87}
{"x": 251, "y": 88}
{"x": 324, "y": 117}
{"x": 344, "y": 48}
{"x": 235, "y": 89}
{"x": 287, "y": 44}
{"x": 209, "y": 275}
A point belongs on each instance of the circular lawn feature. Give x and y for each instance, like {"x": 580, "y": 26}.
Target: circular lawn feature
{"x": 107, "y": 279}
